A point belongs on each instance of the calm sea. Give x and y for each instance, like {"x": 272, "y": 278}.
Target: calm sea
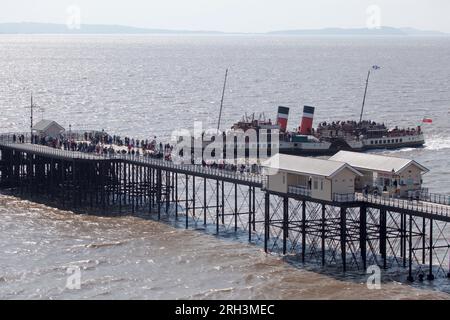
{"x": 142, "y": 86}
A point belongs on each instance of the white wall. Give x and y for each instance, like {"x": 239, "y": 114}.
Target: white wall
{"x": 277, "y": 182}
{"x": 344, "y": 182}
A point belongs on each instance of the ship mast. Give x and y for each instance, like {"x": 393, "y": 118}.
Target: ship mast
{"x": 31, "y": 107}
{"x": 221, "y": 101}
{"x": 375, "y": 67}
{"x": 364, "y": 99}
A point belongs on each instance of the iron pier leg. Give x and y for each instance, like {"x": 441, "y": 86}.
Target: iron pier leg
{"x": 176, "y": 196}
{"x": 410, "y": 276}
{"x": 363, "y": 235}
{"x": 194, "y": 194}
{"x": 223, "y": 202}
{"x": 204, "y": 202}
{"x": 168, "y": 186}
{"x": 404, "y": 239}
{"x": 424, "y": 241}
{"x": 266, "y": 220}
{"x": 159, "y": 191}
{"x": 235, "y": 208}
{"x": 344, "y": 237}
{"x": 303, "y": 230}
{"x": 383, "y": 240}
{"x": 323, "y": 235}
{"x": 250, "y": 214}
{"x": 217, "y": 207}
{"x": 430, "y": 276}
{"x": 285, "y": 223}
{"x": 187, "y": 201}
{"x": 254, "y": 208}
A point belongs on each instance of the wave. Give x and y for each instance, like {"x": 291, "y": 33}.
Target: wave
{"x": 105, "y": 244}
{"x": 437, "y": 142}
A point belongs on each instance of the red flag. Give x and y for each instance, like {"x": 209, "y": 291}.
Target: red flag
{"x": 427, "y": 120}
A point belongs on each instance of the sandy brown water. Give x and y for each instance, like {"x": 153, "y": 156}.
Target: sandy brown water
{"x": 135, "y": 258}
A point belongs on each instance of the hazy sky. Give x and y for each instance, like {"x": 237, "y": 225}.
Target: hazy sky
{"x": 234, "y": 15}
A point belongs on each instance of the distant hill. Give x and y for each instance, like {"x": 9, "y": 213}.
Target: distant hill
{"x": 52, "y": 28}
{"x": 383, "y": 31}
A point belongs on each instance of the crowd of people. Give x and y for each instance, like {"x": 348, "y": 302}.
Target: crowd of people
{"x": 105, "y": 144}
{"x": 365, "y": 127}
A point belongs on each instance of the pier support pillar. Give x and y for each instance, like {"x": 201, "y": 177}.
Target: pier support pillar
{"x": 217, "y": 207}
{"x": 323, "y": 232}
{"x": 250, "y": 214}
{"x": 344, "y": 237}
{"x": 266, "y": 220}
{"x": 363, "y": 235}
{"x": 430, "y": 276}
{"x": 187, "y": 200}
{"x": 285, "y": 223}
{"x": 383, "y": 239}
{"x": 410, "y": 276}
{"x": 303, "y": 230}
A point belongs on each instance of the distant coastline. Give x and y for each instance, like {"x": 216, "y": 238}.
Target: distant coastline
{"x": 52, "y": 28}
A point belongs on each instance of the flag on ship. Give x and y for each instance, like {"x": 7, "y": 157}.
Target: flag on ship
{"x": 427, "y": 120}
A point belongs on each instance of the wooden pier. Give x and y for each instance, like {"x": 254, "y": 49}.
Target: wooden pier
{"x": 350, "y": 232}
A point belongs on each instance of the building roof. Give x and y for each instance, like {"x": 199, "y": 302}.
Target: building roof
{"x": 310, "y": 166}
{"x": 45, "y": 124}
{"x": 375, "y": 162}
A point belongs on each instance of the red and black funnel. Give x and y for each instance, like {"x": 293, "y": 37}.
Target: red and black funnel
{"x": 307, "y": 120}
{"x": 282, "y": 118}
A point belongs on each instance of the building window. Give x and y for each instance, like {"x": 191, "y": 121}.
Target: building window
{"x": 321, "y": 184}
{"x": 284, "y": 179}
{"x": 316, "y": 184}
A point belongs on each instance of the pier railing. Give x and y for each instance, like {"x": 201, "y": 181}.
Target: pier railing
{"x": 399, "y": 203}
{"x": 408, "y": 204}
{"x": 347, "y": 197}
{"x": 299, "y": 191}
{"x": 443, "y": 199}
{"x": 13, "y": 140}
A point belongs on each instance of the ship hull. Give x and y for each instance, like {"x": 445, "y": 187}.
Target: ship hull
{"x": 342, "y": 146}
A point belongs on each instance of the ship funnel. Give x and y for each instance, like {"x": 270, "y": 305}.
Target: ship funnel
{"x": 282, "y": 118}
{"x": 307, "y": 120}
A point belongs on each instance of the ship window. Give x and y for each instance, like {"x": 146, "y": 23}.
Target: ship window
{"x": 401, "y": 140}
{"x": 396, "y": 140}
{"x": 295, "y": 144}
{"x": 389, "y": 141}
{"x": 371, "y": 142}
{"x": 376, "y": 141}
{"x": 384, "y": 141}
